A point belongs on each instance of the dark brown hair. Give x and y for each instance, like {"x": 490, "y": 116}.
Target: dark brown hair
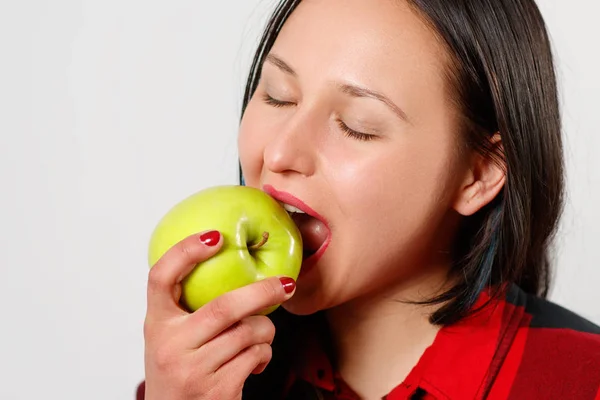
{"x": 504, "y": 81}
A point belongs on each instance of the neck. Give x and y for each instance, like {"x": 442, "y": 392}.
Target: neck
{"x": 379, "y": 339}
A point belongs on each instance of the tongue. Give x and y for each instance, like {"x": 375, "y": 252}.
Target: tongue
{"x": 314, "y": 232}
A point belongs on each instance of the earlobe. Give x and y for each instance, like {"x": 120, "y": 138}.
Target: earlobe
{"x": 484, "y": 180}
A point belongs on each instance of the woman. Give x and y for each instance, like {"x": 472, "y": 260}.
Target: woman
{"x": 422, "y": 140}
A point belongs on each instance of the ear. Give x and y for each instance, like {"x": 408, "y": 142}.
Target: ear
{"x": 484, "y": 178}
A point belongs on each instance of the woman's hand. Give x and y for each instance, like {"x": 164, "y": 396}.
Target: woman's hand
{"x": 207, "y": 354}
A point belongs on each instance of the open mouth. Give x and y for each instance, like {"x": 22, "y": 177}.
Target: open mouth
{"x": 313, "y": 227}
{"x": 314, "y": 231}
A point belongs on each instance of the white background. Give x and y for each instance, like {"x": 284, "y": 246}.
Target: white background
{"x": 111, "y": 111}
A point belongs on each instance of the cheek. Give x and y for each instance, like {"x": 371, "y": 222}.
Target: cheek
{"x": 407, "y": 177}
{"x": 398, "y": 199}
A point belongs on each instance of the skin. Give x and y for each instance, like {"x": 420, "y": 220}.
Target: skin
{"x": 393, "y": 204}
{"x": 207, "y": 354}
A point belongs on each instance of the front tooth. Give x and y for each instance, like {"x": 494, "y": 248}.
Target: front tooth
{"x": 292, "y": 209}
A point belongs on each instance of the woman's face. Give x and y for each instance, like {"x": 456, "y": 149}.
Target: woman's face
{"x": 352, "y": 116}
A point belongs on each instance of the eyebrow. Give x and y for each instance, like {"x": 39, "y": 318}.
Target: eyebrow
{"x": 282, "y": 65}
{"x": 357, "y": 91}
{"x": 349, "y": 89}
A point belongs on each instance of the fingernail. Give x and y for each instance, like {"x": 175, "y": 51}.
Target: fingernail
{"x": 288, "y": 284}
{"x": 210, "y": 238}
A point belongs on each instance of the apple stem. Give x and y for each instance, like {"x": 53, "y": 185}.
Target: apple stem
{"x": 256, "y": 246}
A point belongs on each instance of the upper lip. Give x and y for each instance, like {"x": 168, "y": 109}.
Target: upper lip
{"x": 290, "y": 199}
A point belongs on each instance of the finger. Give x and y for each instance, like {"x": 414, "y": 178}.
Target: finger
{"x": 260, "y": 368}
{"x": 249, "y": 331}
{"x": 229, "y": 308}
{"x": 253, "y": 358}
{"x": 166, "y": 275}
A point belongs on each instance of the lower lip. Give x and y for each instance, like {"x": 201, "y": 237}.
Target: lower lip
{"x": 310, "y": 262}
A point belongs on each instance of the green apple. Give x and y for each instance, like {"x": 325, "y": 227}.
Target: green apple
{"x": 260, "y": 240}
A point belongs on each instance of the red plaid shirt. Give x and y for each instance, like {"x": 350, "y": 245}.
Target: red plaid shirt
{"x": 520, "y": 347}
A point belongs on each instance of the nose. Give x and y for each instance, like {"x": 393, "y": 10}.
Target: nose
{"x": 293, "y": 148}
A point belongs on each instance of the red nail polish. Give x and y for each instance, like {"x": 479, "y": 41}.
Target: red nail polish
{"x": 288, "y": 284}
{"x": 210, "y": 238}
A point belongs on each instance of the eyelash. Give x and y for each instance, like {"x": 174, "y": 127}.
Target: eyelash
{"x": 276, "y": 103}
{"x": 354, "y": 134}
{"x": 347, "y": 130}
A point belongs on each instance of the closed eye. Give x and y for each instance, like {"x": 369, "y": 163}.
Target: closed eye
{"x": 349, "y": 132}
{"x": 354, "y": 134}
{"x": 276, "y": 103}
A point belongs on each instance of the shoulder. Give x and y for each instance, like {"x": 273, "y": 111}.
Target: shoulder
{"x": 554, "y": 328}
{"x": 548, "y": 315}
{"x": 557, "y": 350}
{"x": 551, "y": 327}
